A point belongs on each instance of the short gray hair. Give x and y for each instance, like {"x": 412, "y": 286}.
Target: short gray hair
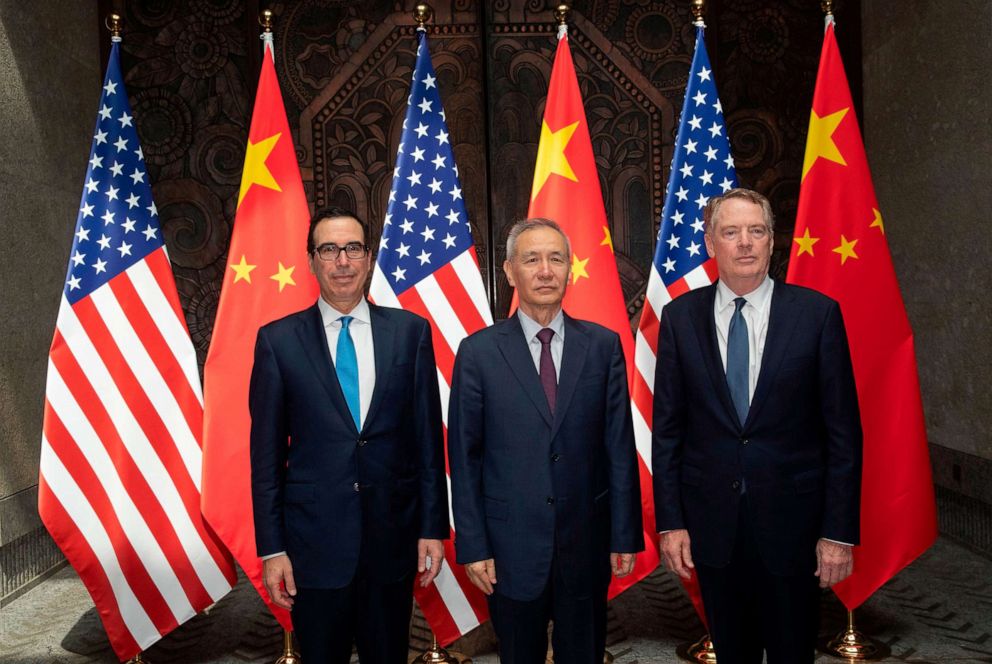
{"x": 712, "y": 208}
{"x": 524, "y": 225}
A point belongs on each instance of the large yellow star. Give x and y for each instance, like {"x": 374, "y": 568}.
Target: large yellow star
{"x": 242, "y": 270}
{"x": 846, "y": 249}
{"x": 877, "y": 223}
{"x": 805, "y": 243}
{"x": 284, "y": 276}
{"x": 256, "y": 172}
{"x": 607, "y": 238}
{"x": 551, "y": 156}
{"x": 579, "y": 268}
{"x": 819, "y": 140}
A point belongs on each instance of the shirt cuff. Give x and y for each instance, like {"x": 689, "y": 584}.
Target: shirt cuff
{"x": 273, "y": 555}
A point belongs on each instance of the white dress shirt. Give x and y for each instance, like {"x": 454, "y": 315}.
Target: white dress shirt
{"x": 531, "y": 327}
{"x": 361, "y": 335}
{"x": 755, "y": 314}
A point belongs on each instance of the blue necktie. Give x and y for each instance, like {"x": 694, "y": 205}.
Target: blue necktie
{"x": 737, "y": 361}
{"x": 346, "y": 365}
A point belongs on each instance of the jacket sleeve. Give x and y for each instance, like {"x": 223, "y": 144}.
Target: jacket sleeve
{"x": 842, "y": 419}
{"x": 269, "y": 448}
{"x": 466, "y": 447}
{"x": 429, "y": 435}
{"x": 626, "y": 526}
{"x": 669, "y": 428}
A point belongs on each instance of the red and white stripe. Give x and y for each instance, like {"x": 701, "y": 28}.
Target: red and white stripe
{"x": 120, "y": 460}
{"x": 454, "y": 300}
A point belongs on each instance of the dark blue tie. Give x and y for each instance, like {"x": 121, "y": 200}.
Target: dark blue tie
{"x": 737, "y": 361}
{"x": 346, "y": 366}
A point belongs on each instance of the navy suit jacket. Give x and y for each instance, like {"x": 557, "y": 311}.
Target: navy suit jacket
{"x": 325, "y": 492}
{"x": 798, "y": 453}
{"x": 528, "y": 487}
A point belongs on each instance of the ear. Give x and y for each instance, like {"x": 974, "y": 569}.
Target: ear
{"x": 311, "y": 263}
{"x": 509, "y": 273}
{"x": 708, "y": 239}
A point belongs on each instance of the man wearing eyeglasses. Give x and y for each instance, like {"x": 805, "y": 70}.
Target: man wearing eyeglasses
{"x": 348, "y": 482}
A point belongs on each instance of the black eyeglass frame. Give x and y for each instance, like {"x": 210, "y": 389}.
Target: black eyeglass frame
{"x": 353, "y": 251}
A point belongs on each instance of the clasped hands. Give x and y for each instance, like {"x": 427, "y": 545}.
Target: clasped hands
{"x": 277, "y": 572}
{"x": 482, "y": 573}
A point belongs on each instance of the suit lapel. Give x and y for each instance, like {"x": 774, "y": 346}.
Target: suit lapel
{"x": 781, "y": 324}
{"x": 383, "y": 337}
{"x": 573, "y": 360}
{"x": 710, "y": 346}
{"x": 513, "y": 347}
{"x": 314, "y": 341}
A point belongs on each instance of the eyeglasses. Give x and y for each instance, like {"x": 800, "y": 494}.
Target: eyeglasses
{"x": 330, "y": 251}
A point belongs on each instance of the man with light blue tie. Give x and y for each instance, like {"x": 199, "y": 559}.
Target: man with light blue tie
{"x": 756, "y": 451}
{"x": 348, "y": 481}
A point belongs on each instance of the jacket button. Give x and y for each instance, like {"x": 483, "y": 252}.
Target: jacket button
{"x": 362, "y": 442}
{"x": 356, "y": 487}
{"x": 551, "y": 500}
{"x": 744, "y": 441}
{"x": 735, "y": 485}
{"x": 555, "y": 457}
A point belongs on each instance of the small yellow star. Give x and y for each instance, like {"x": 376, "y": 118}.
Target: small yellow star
{"x": 607, "y": 238}
{"x": 805, "y": 243}
{"x": 579, "y": 268}
{"x": 878, "y": 221}
{"x": 256, "y": 172}
{"x": 551, "y": 156}
{"x": 242, "y": 270}
{"x": 846, "y": 249}
{"x": 284, "y": 276}
{"x": 820, "y": 141}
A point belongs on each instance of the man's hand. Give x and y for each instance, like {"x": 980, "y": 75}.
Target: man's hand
{"x": 277, "y": 574}
{"x": 834, "y": 562}
{"x": 430, "y": 553}
{"x": 675, "y": 552}
{"x": 622, "y": 563}
{"x": 482, "y": 574}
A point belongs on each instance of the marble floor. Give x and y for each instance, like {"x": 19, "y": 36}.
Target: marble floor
{"x": 937, "y": 610}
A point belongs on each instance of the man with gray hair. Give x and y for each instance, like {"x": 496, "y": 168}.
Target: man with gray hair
{"x": 756, "y": 443}
{"x": 544, "y": 478}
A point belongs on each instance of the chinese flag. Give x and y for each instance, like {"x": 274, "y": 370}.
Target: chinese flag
{"x": 839, "y": 248}
{"x": 566, "y": 189}
{"x": 266, "y": 279}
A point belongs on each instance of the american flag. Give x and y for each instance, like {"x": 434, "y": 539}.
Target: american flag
{"x": 702, "y": 167}
{"x": 120, "y": 453}
{"x": 427, "y": 264}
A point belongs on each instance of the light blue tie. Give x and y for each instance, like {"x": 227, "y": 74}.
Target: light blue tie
{"x": 737, "y": 361}
{"x": 346, "y": 365}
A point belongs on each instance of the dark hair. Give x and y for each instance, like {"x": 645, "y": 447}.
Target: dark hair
{"x": 333, "y": 212}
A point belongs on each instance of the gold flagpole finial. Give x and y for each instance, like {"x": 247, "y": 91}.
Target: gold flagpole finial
{"x": 422, "y": 13}
{"x": 265, "y": 20}
{"x": 698, "y": 7}
{"x": 561, "y": 13}
{"x": 827, "y": 6}
{"x": 114, "y": 23}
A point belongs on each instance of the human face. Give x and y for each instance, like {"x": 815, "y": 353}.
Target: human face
{"x": 539, "y": 271}
{"x": 741, "y": 242}
{"x": 342, "y": 281}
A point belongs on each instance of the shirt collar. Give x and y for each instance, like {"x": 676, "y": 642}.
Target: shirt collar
{"x": 329, "y": 314}
{"x": 531, "y": 327}
{"x": 758, "y": 298}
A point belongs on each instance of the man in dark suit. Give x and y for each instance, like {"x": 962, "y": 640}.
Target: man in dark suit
{"x": 348, "y": 480}
{"x": 757, "y": 443}
{"x": 544, "y": 475}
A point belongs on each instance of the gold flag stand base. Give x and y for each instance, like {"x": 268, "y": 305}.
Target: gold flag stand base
{"x": 700, "y": 651}
{"x": 438, "y": 655}
{"x": 853, "y": 645}
{"x": 137, "y": 659}
{"x": 289, "y": 656}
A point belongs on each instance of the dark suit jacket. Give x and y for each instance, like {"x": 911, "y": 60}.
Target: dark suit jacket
{"x": 799, "y": 451}
{"x": 321, "y": 490}
{"x": 526, "y": 486}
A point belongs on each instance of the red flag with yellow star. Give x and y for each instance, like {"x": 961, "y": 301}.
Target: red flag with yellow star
{"x": 839, "y": 248}
{"x": 266, "y": 278}
{"x": 566, "y": 189}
